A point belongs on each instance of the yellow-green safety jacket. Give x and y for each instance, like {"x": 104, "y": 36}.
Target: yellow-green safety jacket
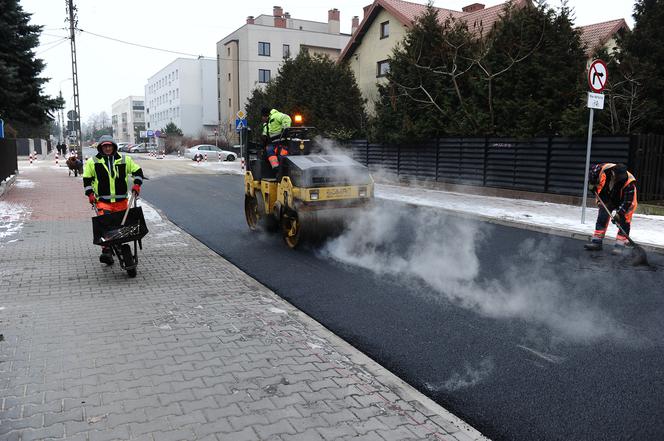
{"x": 275, "y": 123}
{"x": 108, "y": 176}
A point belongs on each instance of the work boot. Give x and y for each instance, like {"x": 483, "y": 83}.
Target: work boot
{"x": 618, "y": 249}
{"x": 593, "y": 245}
{"x": 106, "y": 256}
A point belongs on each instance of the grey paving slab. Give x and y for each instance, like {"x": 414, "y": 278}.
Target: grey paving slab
{"x": 192, "y": 348}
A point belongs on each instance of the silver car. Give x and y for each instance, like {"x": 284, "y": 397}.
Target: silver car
{"x": 212, "y": 152}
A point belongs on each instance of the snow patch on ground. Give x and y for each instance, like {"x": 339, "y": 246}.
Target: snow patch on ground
{"x": 234, "y": 167}
{"x": 151, "y": 215}
{"x": 646, "y": 229}
{"x": 12, "y": 218}
{"x": 24, "y": 183}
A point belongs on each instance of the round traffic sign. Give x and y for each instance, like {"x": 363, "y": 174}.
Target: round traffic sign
{"x": 72, "y": 115}
{"x": 598, "y": 75}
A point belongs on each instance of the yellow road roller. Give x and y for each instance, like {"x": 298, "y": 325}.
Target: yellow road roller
{"x": 311, "y": 195}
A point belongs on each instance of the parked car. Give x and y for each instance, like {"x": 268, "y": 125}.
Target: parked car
{"x": 124, "y": 146}
{"x": 139, "y": 148}
{"x": 199, "y": 151}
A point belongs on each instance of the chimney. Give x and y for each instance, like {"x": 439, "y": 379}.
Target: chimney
{"x": 250, "y": 19}
{"x": 366, "y": 10}
{"x": 279, "y": 19}
{"x": 354, "y": 24}
{"x": 472, "y": 8}
{"x": 333, "y": 22}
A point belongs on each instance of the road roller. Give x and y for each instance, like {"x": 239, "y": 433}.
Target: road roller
{"x": 310, "y": 196}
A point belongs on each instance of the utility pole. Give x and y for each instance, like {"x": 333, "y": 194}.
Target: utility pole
{"x": 71, "y": 10}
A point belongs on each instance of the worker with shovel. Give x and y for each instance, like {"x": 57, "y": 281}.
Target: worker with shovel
{"x": 105, "y": 180}
{"x": 615, "y": 190}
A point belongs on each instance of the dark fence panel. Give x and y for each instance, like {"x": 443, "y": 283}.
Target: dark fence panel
{"x": 545, "y": 165}
{"x": 8, "y": 158}
{"x": 648, "y": 163}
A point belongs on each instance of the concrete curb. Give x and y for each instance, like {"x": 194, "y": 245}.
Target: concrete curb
{"x": 407, "y": 392}
{"x": 655, "y": 248}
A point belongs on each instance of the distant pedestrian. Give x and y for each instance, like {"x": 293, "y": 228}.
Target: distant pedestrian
{"x": 616, "y": 187}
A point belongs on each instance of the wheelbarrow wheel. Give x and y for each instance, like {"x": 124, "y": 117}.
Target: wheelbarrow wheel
{"x": 128, "y": 259}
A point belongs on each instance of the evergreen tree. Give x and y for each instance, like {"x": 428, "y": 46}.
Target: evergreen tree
{"x": 645, "y": 46}
{"x": 172, "y": 130}
{"x": 323, "y": 92}
{"x": 543, "y": 64}
{"x": 22, "y": 102}
{"x": 430, "y": 86}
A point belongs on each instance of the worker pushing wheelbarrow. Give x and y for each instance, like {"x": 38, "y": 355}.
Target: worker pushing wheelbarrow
{"x": 116, "y": 230}
{"x": 106, "y": 183}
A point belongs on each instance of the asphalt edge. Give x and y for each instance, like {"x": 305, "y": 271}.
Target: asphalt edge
{"x": 409, "y": 394}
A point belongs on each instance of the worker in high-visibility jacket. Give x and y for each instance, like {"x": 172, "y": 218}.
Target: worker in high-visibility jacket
{"x": 616, "y": 187}
{"x": 106, "y": 182}
{"x": 273, "y": 124}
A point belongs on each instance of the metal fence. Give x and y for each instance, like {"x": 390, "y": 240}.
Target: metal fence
{"x": 545, "y": 165}
{"x": 648, "y": 162}
{"x": 8, "y": 158}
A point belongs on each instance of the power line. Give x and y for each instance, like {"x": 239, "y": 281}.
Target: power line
{"x": 53, "y": 46}
{"x": 174, "y": 52}
{"x": 145, "y": 46}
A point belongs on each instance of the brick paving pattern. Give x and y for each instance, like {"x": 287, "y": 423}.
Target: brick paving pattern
{"x": 191, "y": 349}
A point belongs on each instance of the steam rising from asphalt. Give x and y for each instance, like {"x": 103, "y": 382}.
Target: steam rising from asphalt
{"x": 468, "y": 378}
{"x": 441, "y": 256}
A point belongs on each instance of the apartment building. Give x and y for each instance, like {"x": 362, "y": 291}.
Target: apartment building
{"x": 250, "y": 56}
{"x": 184, "y": 93}
{"x": 128, "y": 118}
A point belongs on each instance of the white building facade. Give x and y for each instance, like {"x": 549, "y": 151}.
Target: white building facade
{"x": 128, "y": 118}
{"x": 250, "y": 57}
{"x": 184, "y": 93}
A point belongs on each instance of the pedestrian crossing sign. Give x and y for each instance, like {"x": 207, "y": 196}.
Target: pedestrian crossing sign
{"x": 240, "y": 123}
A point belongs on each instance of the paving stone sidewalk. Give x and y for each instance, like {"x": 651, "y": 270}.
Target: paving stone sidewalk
{"x": 191, "y": 349}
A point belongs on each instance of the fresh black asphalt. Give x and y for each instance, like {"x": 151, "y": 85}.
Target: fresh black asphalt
{"x": 514, "y": 368}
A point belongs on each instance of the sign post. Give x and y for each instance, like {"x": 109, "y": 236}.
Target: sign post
{"x": 240, "y": 123}
{"x": 598, "y": 75}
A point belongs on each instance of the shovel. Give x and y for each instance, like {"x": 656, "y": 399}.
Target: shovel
{"x": 639, "y": 256}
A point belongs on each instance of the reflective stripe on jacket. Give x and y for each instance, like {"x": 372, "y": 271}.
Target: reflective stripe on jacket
{"x": 108, "y": 176}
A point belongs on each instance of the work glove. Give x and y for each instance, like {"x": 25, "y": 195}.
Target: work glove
{"x": 619, "y": 217}
{"x": 92, "y": 198}
{"x": 136, "y": 189}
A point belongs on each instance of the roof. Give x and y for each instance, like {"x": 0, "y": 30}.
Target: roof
{"x": 406, "y": 13}
{"x": 597, "y": 35}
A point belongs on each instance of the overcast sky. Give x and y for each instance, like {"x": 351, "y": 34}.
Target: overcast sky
{"x": 109, "y": 70}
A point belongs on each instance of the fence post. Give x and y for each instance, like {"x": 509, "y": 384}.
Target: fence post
{"x": 398, "y": 161}
{"x": 367, "y": 154}
{"x": 548, "y": 165}
{"x": 437, "y": 156}
{"x": 484, "y": 161}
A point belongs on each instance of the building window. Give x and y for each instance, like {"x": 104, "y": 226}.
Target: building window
{"x": 382, "y": 68}
{"x": 385, "y": 29}
{"x": 229, "y": 77}
{"x": 228, "y": 51}
{"x": 263, "y": 76}
{"x": 286, "y": 51}
{"x": 229, "y": 102}
{"x": 263, "y": 49}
